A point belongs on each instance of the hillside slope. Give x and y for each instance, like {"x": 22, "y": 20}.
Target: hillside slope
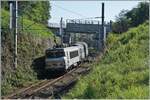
{"x": 122, "y": 72}
{"x": 33, "y": 39}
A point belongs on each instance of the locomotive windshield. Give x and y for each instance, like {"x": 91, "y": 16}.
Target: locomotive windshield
{"x": 55, "y": 53}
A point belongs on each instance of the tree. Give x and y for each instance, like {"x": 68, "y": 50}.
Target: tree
{"x": 132, "y": 18}
{"x": 139, "y": 15}
{"x": 38, "y": 11}
{"x": 122, "y": 23}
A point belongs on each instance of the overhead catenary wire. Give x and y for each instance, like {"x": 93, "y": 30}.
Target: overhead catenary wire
{"x": 76, "y": 13}
{"x": 67, "y": 10}
{"x": 70, "y": 11}
{"x": 87, "y": 18}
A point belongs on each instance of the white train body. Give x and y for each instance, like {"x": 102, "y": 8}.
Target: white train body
{"x": 81, "y": 51}
{"x": 63, "y": 58}
{"x": 85, "y": 48}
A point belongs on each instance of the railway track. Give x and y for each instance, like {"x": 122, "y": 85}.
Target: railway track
{"x": 48, "y": 88}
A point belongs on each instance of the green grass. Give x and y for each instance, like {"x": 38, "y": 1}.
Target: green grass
{"x": 27, "y": 26}
{"x": 18, "y": 79}
{"x": 31, "y": 45}
{"x": 122, "y": 72}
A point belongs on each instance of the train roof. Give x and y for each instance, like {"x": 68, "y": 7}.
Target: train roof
{"x": 54, "y": 48}
{"x": 81, "y": 43}
{"x": 66, "y": 48}
{"x": 71, "y": 48}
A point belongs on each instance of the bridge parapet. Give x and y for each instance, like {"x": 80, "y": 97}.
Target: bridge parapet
{"x": 80, "y": 21}
{"x": 56, "y": 25}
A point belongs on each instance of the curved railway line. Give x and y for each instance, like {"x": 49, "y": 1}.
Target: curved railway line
{"x": 49, "y": 87}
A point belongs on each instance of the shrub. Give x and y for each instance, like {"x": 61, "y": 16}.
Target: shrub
{"x": 123, "y": 71}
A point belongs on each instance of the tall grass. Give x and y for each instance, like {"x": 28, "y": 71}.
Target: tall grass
{"x": 33, "y": 39}
{"x": 123, "y": 71}
{"x": 27, "y": 26}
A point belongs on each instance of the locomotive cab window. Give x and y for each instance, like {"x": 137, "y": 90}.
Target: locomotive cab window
{"x": 55, "y": 54}
{"x": 73, "y": 54}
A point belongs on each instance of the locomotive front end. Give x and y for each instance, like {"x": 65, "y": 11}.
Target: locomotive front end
{"x": 55, "y": 59}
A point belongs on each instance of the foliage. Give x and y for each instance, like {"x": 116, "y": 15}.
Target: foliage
{"x": 132, "y": 18}
{"x": 27, "y": 26}
{"x": 139, "y": 15}
{"x": 123, "y": 71}
{"x": 32, "y": 41}
{"x": 122, "y": 23}
{"x": 37, "y": 11}
{"x": 17, "y": 79}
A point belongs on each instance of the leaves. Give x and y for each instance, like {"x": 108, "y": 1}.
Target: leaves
{"x": 38, "y": 11}
{"x": 127, "y": 19}
{"x": 122, "y": 73}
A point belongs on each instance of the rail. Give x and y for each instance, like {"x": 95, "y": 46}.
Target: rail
{"x": 31, "y": 90}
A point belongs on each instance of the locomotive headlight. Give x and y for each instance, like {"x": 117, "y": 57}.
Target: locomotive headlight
{"x": 62, "y": 63}
{"x": 65, "y": 60}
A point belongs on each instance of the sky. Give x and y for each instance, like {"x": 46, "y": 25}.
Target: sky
{"x": 86, "y": 9}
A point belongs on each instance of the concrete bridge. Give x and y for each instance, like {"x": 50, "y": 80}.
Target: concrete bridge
{"x": 81, "y": 27}
{"x": 55, "y": 27}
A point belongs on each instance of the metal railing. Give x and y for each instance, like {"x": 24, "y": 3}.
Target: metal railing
{"x": 56, "y": 25}
{"x": 80, "y": 21}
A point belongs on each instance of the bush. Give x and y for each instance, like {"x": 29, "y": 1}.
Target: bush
{"x": 31, "y": 44}
{"x": 27, "y": 26}
{"x": 123, "y": 71}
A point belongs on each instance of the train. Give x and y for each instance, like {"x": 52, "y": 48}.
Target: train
{"x": 66, "y": 58}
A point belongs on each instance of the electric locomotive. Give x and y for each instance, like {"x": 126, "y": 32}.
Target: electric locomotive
{"x": 64, "y": 58}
